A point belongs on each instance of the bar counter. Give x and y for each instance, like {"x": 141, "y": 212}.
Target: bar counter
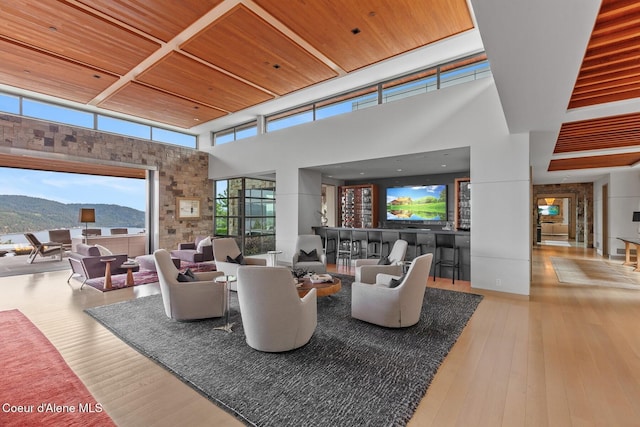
{"x": 421, "y": 240}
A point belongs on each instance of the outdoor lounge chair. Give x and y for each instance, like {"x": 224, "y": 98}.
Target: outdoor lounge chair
{"x": 62, "y": 236}
{"x": 43, "y": 249}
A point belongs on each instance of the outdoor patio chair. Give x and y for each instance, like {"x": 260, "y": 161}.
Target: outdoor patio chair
{"x": 43, "y": 249}
{"x": 62, "y": 236}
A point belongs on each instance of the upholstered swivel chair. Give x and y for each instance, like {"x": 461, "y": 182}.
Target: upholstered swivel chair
{"x": 393, "y": 307}
{"x": 274, "y": 317}
{"x": 367, "y": 269}
{"x": 307, "y": 243}
{"x": 200, "y": 299}
{"x": 227, "y": 247}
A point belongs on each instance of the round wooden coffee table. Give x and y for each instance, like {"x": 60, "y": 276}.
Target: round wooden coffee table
{"x": 322, "y": 289}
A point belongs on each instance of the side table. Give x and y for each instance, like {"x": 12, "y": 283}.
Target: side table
{"x": 272, "y": 261}
{"x": 130, "y": 267}
{"x": 226, "y": 280}
{"x": 107, "y": 272}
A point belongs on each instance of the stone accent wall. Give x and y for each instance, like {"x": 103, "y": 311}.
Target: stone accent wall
{"x": 583, "y": 193}
{"x": 182, "y": 172}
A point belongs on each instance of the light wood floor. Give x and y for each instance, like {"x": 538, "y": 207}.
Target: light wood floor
{"x": 567, "y": 356}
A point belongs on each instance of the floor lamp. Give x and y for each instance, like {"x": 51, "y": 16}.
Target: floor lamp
{"x": 87, "y": 215}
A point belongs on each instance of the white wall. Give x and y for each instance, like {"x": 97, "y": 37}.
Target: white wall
{"x": 465, "y": 115}
{"x": 624, "y": 199}
{"x": 598, "y": 226}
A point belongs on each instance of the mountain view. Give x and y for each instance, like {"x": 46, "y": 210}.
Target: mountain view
{"x": 20, "y": 214}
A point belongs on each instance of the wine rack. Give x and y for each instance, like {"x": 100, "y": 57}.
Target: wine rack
{"x": 463, "y": 204}
{"x": 359, "y": 206}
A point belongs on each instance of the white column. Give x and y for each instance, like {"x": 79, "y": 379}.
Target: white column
{"x": 298, "y": 199}
{"x": 501, "y": 215}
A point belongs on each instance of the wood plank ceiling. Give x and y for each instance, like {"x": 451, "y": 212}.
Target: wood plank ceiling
{"x": 190, "y": 61}
{"x": 610, "y": 72}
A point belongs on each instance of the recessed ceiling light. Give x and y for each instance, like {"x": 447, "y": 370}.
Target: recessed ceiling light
{"x": 276, "y": 66}
{"x": 52, "y": 28}
{"x": 96, "y": 76}
{"x": 361, "y": 173}
{"x": 355, "y": 31}
{"x": 398, "y": 170}
{"x": 444, "y": 166}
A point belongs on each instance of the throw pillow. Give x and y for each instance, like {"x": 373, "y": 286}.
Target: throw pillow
{"x": 308, "y": 256}
{"x": 104, "y": 251}
{"x": 384, "y": 261}
{"x": 184, "y": 278}
{"x": 204, "y": 242}
{"x": 396, "y": 282}
{"x": 237, "y": 260}
{"x": 190, "y": 273}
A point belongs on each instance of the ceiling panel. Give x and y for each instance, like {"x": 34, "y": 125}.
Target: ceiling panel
{"x": 355, "y": 34}
{"x": 610, "y": 70}
{"x": 191, "y": 79}
{"x": 222, "y": 56}
{"x": 153, "y": 104}
{"x": 604, "y": 133}
{"x": 591, "y": 162}
{"x": 33, "y": 70}
{"x": 84, "y": 167}
{"x": 160, "y": 18}
{"x": 70, "y": 32}
{"x": 245, "y": 45}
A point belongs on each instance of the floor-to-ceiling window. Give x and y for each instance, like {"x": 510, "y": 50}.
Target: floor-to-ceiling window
{"x": 246, "y": 211}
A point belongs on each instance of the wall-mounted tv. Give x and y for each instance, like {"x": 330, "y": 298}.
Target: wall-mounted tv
{"x": 419, "y": 203}
{"x": 549, "y": 210}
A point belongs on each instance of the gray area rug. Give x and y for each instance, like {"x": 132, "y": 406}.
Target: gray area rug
{"x": 350, "y": 373}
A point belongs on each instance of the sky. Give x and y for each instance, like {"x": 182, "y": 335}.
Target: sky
{"x": 74, "y": 188}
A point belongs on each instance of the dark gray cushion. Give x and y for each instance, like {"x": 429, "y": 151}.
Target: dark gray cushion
{"x": 308, "y": 256}
{"x": 237, "y": 260}
{"x": 396, "y": 282}
{"x": 184, "y": 278}
{"x": 384, "y": 261}
{"x": 190, "y": 273}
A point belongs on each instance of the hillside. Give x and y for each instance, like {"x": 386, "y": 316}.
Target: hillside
{"x": 22, "y": 213}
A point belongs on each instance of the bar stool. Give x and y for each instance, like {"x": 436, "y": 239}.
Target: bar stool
{"x": 327, "y": 240}
{"x": 359, "y": 238}
{"x": 347, "y": 246}
{"x": 423, "y": 243}
{"x": 374, "y": 238}
{"x": 411, "y": 240}
{"x": 446, "y": 244}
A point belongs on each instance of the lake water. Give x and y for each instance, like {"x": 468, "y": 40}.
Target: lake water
{"x": 43, "y": 236}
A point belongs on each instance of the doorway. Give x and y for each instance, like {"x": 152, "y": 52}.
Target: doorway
{"x": 556, "y": 220}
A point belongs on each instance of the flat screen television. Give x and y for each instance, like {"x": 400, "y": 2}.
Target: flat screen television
{"x": 418, "y": 203}
{"x": 549, "y": 210}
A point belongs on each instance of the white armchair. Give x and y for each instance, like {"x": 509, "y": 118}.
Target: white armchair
{"x": 201, "y": 299}
{"x": 308, "y": 243}
{"x": 393, "y": 307}
{"x": 367, "y": 269}
{"x": 227, "y": 247}
{"x": 274, "y": 317}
